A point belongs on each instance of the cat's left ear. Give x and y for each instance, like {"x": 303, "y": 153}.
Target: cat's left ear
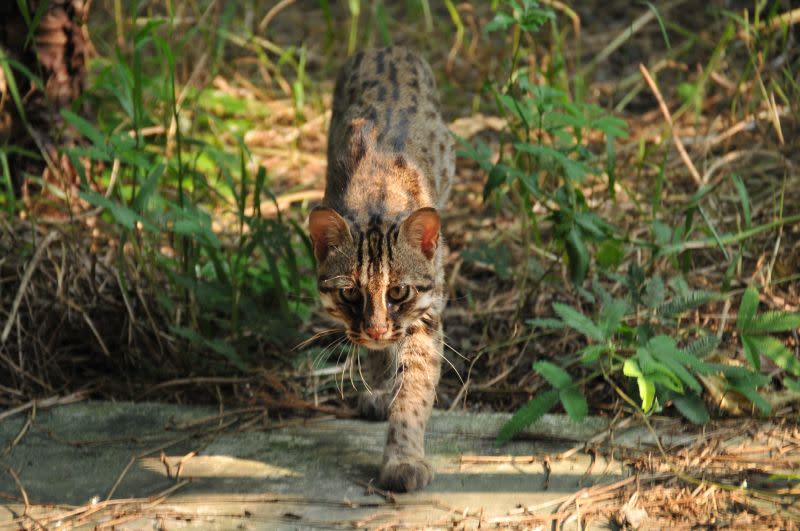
{"x": 422, "y": 229}
{"x": 328, "y": 230}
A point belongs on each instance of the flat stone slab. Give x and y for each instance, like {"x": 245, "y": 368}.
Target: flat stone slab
{"x": 168, "y": 465}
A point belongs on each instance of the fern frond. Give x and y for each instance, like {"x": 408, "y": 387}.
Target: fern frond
{"x": 679, "y": 305}
{"x": 702, "y": 347}
{"x": 772, "y": 321}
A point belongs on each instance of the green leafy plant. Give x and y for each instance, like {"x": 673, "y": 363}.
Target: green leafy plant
{"x": 634, "y": 336}
{"x": 755, "y": 329}
{"x": 549, "y": 158}
{"x": 228, "y": 291}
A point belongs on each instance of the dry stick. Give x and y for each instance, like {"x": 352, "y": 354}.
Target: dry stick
{"x": 42, "y": 404}
{"x": 22, "y": 432}
{"x": 23, "y": 285}
{"x": 160, "y": 447}
{"x": 21, "y": 488}
{"x": 155, "y": 501}
{"x": 201, "y": 380}
{"x": 675, "y": 137}
{"x": 272, "y": 13}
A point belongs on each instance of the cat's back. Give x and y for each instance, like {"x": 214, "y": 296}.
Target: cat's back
{"x": 394, "y": 92}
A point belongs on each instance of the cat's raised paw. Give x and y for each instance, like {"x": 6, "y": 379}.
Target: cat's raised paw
{"x": 406, "y": 475}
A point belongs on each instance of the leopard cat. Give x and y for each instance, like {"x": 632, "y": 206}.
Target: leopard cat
{"x": 378, "y": 244}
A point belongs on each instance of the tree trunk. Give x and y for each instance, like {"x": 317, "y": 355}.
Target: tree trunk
{"x": 56, "y": 52}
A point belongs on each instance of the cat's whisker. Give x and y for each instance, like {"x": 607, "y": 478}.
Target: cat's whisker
{"x": 361, "y": 374}
{"x": 316, "y": 336}
{"x": 353, "y": 353}
{"x": 325, "y": 353}
{"x": 326, "y": 350}
{"x": 344, "y": 369}
{"x": 401, "y": 381}
{"x": 446, "y": 344}
{"x": 441, "y": 355}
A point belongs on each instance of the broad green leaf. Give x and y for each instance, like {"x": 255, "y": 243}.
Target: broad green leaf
{"x": 501, "y": 21}
{"x": 573, "y": 170}
{"x": 773, "y": 321}
{"x": 751, "y": 352}
{"x": 498, "y": 176}
{"x": 749, "y": 392}
{"x": 555, "y": 375}
{"x": 747, "y": 309}
{"x": 662, "y": 345}
{"x": 574, "y": 402}
{"x": 662, "y": 233}
{"x": 574, "y": 319}
{"x": 546, "y": 323}
{"x": 592, "y": 225}
{"x": 647, "y": 392}
{"x": 591, "y": 353}
{"x": 656, "y": 371}
{"x": 792, "y": 385}
{"x": 654, "y": 292}
{"x": 85, "y": 128}
{"x": 692, "y": 407}
{"x": 631, "y": 368}
{"x": 578, "y": 256}
{"x": 527, "y": 415}
{"x": 122, "y": 214}
{"x": 744, "y": 197}
{"x": 612, "y": 126}
{"x": 611, "y": 315}
{"x": 774, "y": 349}
{"x": 681, "y": 372}
{"x": 610, "y": 254}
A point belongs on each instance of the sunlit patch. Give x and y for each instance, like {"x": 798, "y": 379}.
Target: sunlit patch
{"x": 211, "y": 466}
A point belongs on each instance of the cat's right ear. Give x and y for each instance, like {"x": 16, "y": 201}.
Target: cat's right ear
{"x": 328, "y": 230}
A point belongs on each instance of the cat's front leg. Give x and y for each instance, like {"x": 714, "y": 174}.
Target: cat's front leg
{"x": 380, "y": 371}
{"x": 404, "y": 466}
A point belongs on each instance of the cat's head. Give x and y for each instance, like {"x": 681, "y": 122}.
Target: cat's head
{"x": 378, "y": 279}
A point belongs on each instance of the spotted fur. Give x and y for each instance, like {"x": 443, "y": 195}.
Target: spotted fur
{"x": 377, "y": 240}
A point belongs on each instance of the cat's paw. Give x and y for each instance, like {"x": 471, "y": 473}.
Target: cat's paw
{"x": 374, "y": 404}
{"x": 406, "y": 474}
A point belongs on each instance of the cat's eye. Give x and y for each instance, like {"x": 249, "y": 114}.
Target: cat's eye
{"x": 351, "y": 295}
{"x": 398, "y": 293}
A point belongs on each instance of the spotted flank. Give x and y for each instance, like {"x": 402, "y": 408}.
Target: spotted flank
{"x": 378, "y": 245}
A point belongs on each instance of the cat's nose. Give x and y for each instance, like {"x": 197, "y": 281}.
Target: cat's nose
{"x": 377, "y": 331}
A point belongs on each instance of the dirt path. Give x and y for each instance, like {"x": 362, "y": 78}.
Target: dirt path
{"x": 135, "y": 466}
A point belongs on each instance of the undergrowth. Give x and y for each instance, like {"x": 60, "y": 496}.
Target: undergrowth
{"x": 635, "y": 335}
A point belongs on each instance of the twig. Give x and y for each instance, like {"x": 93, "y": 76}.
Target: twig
{"x": 272, "y": 13}
{"x": 25, "y": 500}
{"x": 23, "y": 285}
{"x": 43, "y": 404}
{"x": 22, "y": 431}
{"x": 201, "y": 380}
{"x": 675, "y": 137}
{"x": 629, "y": 32}
{"x": 372, "y": 489}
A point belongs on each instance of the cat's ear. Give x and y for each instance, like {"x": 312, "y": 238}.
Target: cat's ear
{"x": 421, "y": 229}
{"x": 327, "y": 229}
